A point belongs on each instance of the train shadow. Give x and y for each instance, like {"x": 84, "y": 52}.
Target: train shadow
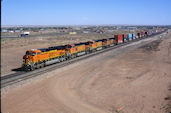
{"x": 17, "y": 69}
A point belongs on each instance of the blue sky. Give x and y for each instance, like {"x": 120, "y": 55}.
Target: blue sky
{"x": 86, "y": 12}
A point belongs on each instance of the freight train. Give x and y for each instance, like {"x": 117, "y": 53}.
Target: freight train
{"x": 37, "y": 58}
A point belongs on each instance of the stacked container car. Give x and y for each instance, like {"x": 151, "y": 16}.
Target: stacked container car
{"x": 126, "y": 38}
{"x": 142, "y": 34}
{"x": 145, "y": 34}
{"x": 134, "y": 36}
{"x": 130, "y": 36}
{"x": 139, "y": 35}
{"x": 149, "y": 33}
{"x": 119, "y": 38}
{"x": 123, "y": 38}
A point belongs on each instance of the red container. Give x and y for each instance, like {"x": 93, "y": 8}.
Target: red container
{"x": 120, "y": 38}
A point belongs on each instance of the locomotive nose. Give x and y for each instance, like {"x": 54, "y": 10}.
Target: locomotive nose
{"x": 25, "y": 57}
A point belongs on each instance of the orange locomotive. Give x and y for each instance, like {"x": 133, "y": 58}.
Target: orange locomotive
{"x": 112, "y": 41}
{"x": 36, "y": 58}
{"x": 92, "y": 46}
{"x": 71, "y": 50}
{"x": 99, "y": 44}
{"x": 74, "y": 50}
{"x": 106, "y": 42}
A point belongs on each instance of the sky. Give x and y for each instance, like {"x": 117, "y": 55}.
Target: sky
{"x": 85, "y": 12}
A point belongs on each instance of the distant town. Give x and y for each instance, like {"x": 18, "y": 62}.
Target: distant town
{"x": 30, "y": 31}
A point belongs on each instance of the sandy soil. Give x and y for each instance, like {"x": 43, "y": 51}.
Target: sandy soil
{"x": 137, "y": 81}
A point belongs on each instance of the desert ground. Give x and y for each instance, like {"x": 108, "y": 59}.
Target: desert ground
{"x": 129, "y": 79}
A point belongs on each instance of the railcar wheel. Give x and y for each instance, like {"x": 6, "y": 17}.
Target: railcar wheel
{"x": 22, "y": 68}
{"x": 32, "y": 68}
{"x": 26, "y": 69}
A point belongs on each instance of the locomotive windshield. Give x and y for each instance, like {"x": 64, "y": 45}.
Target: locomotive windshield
{"x": 27, "y": 53}
{"x": 33, "y": 53}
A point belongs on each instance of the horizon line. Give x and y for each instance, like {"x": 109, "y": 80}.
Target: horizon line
{"x": 87, "y": 25}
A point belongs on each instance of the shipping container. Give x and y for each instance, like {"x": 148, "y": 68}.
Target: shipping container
{"x": 149, "y": 33}
{"x": 119, "y": 38}
{"x": 134, "y": 36}
{"x": 146, "y": 34}
{"x": 142, "y": 34}
{"x": 130, "y": 36}
{"x": 126, "y": 38}
{"x": 139, "y": 35}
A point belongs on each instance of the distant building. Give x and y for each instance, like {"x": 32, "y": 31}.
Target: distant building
{"x": 17, "y": 31}
{"x": 72, "y": 33}
{"x": 4, "y": 30}
{"x": 57, "y": 31}
{"x": 42, "y": 29}
{"x": 132, "y": 28}
{"x": 99, "y": 31}
{"x": 11, "y": 31}
{"x": 25, "y": 34}
{"x": 109, "y": 31}
{"x": 85, "y": 31}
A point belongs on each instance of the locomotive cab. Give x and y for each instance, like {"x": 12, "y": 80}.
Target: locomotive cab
{"x": 29, "y": 59}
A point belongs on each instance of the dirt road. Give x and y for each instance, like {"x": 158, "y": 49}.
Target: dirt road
{"x": 136, "y": 81}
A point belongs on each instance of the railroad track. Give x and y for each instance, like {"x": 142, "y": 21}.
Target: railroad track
{"x": 21, "y": 76}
